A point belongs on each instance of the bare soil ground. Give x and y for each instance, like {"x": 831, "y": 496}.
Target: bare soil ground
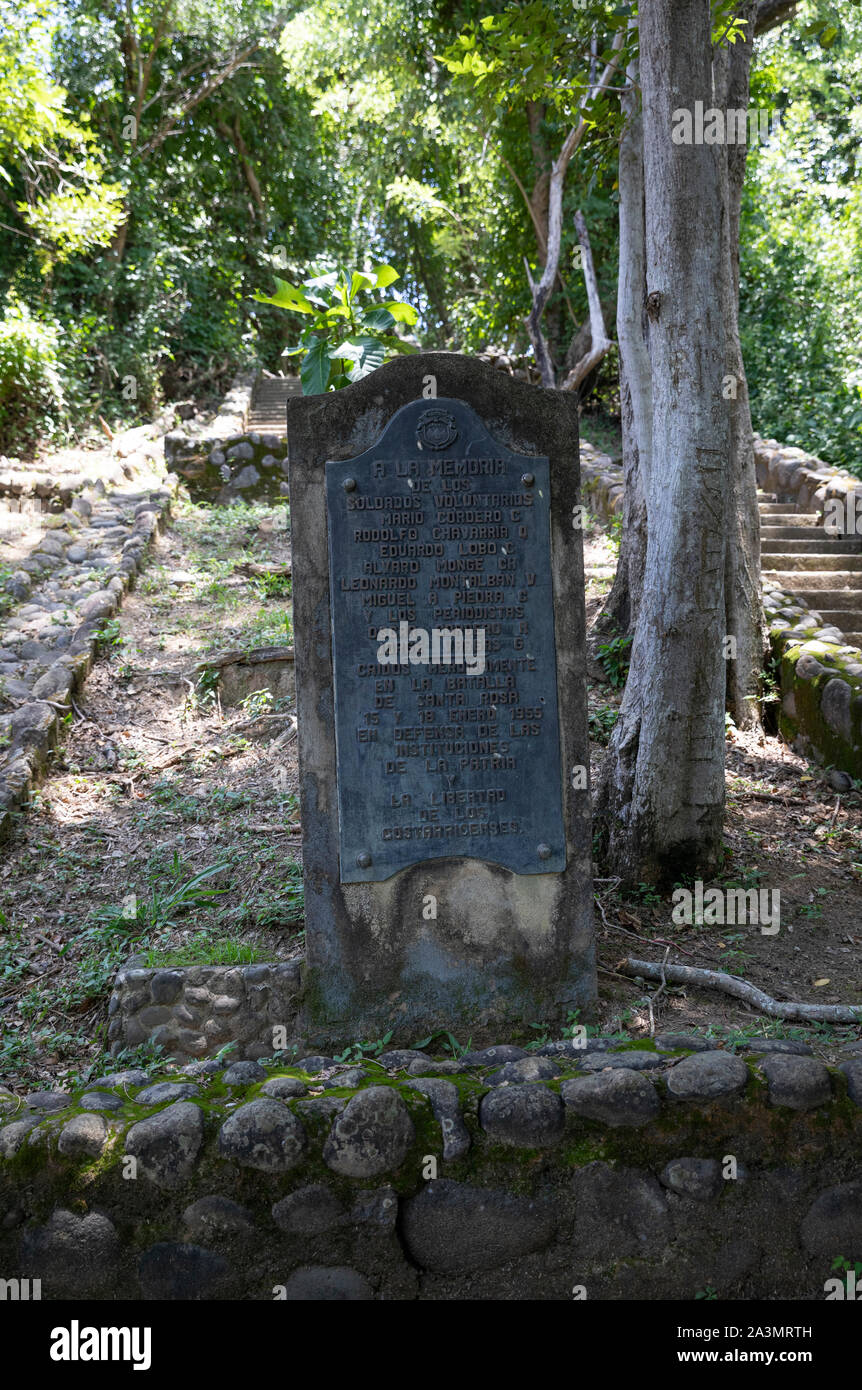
{"x": 156, "y": 784}
{"x": 786, "y": 830}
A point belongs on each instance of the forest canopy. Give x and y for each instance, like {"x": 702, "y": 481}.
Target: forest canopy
{"x": 163, "y": 161}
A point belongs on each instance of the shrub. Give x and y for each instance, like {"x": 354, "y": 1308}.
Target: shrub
{"x": 32, "y": 401}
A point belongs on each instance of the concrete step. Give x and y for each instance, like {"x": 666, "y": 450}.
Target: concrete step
{"x": 812, "y": 583}
{"x": 807, "y": 545}
{"x": 268, "y": 410}
{"x": 831, "y": 599}
{"x": 787, "y": 518}
{"x": 841, "y": 617}
{"x": 799, "y": 533}
{"x": 787, "y": 562}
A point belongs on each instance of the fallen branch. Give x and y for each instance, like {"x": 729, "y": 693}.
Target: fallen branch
{"x": 272, "y": 571}
{"x": 277, "y": 829}
{"x": 740, "y": 989}
{"x": 770, "y": 796}
{"x": 260, "y": 719}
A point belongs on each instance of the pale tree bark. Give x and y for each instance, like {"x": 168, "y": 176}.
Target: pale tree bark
{"x": 661, "y": 799}
{"x": 744, "y": 608}
{"x": 620, "y": 610}
{"x": 731, "y": 66}
{"x": 599, "y": 340}
{"x": 541, "y": 289}
{"x": 771, "y": 13}
{"x": 582, "y": 338}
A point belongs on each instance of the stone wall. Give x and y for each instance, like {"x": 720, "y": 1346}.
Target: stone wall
{"x": 820, "y": 676}
{"x": 66, "y": 588}
{"x": 224, "y": 461}
{"x": 820, "y": 686}
{"x": 798, "y": 478}
{"x": 196, "y": 1010}
{"x": 133, "y": 453}
{"x": 657, "y": 1172}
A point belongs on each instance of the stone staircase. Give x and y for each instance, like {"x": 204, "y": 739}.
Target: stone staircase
{"x": 267, "y": 413}
{"x": 826, "y": 571}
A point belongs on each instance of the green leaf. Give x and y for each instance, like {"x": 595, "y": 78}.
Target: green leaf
{"x": 315, "y": 369}
{"x": 394, "y": 344}
{"x": 366, "y": 354}
{"x": 358, "y": 282}
{"x": 287, "y": 296}
{"x": 385, "y": 275}
{"x": 401, "y": 312}
{"x": 378, "y": 320}
{"x": 322, "y": 282}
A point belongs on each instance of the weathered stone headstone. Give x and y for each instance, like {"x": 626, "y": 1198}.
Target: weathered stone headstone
{"x": 439, "y": 635}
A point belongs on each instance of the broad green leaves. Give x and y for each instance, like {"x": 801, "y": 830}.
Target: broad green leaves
{"x": 287, "y": 296}
{"x": 315, "y": 368}
{"x": 333, "y": 358}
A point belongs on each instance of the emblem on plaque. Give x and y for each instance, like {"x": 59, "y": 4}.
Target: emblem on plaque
{"x": 436, "y": 429}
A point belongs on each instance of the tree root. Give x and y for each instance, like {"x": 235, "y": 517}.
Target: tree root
{"x": 740, "y": 989}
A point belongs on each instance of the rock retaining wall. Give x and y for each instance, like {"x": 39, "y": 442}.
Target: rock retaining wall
{"x": 820, "y": 686}
{"x": 802, "y": 480}
{"x": 195, "y": 1010}
{"x": 69, "y": 585}
{"x": 225, "y": 461}
{"x": 133, "y": 451}
{"x": 567, "y": 1173}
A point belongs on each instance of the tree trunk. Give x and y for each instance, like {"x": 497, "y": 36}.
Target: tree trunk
{"x": 542, "y": 177}
{"x": 620, "y": 610}
{"x": 744, "y": 609}
{"x": 233, "y": 136}
{"x": 661, "y": 802}
{"x": 582, "y": 338}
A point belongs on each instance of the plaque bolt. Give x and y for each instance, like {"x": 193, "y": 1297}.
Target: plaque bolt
{"x": 527, "y": 479}
{"x": 363, "y": 860}
{"x": 543, "y": 851}
{"x": 349, "y": 484}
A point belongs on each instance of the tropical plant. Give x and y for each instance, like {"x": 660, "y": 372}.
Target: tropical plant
{"x": 344, "y": 340}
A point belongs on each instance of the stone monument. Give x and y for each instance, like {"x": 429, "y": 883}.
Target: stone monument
{"x": 440, "y": 667}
